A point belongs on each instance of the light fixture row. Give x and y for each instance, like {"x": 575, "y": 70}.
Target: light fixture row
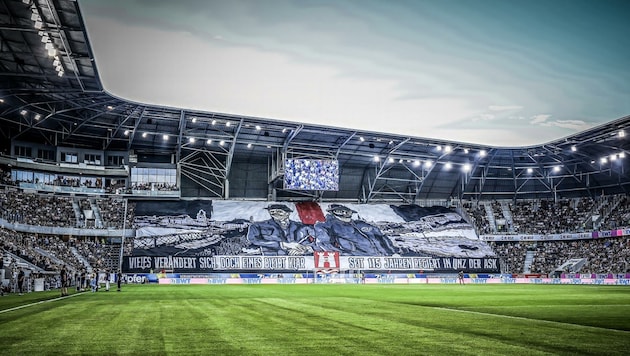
{"x": 46, "y": 40}
{"x": 417, "y": 162}
{"x": 228, "y": 123}
{"x": 611, "y": 158}
{"x": 439, "y": 148}
{"x": 37, "y": 116}
{"x": 213, "y": 122}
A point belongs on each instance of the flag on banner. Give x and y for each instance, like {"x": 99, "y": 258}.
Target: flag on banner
{"x": 327, "y": 259}
{"x": 310, "y": 212}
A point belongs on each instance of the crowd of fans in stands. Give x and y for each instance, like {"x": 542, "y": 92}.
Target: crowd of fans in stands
{"x": 604, "y": 255}
{"x": 46, "y": 253}
{"x": 36, "y": 209}
{"x": 549, "y": 217}
{"x": 58, "y": 211}
{"x": 544, "y": 217}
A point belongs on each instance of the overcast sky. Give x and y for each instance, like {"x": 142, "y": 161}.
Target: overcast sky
{"x": 496, "y": 72}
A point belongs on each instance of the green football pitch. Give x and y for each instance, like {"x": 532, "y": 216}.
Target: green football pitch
{"x": 321, "y": 320}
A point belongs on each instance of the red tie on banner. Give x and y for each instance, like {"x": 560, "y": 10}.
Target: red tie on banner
{"x": 327, "y": 260}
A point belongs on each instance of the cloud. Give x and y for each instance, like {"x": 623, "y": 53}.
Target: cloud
{"x": 483, "y": 117}
{"x": 539, "y": 119}
{"x": 577, "y": 125}
{"x": 504, "y": 107}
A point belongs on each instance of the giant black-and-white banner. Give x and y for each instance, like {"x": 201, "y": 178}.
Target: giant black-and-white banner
{"x": 181, "y": 264}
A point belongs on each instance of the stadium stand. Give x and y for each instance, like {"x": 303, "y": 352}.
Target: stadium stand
{"x": 69, "y": 196}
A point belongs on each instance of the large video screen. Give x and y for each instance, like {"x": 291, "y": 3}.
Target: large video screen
{"x": 311, "y": 174}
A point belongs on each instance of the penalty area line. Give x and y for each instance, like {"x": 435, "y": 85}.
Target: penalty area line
{"x": 37, "y": 303}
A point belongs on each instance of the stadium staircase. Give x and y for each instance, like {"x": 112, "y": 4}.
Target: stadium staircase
{"x": 98, "y": 220}
{"x": 82, "y": 259}
{"x": 490, "y": 215}
{"x": 507, "y": 214}
{"x": 529, "y": 260}
{"x": 605, "y": 208}
{"x": 77, "y": 212}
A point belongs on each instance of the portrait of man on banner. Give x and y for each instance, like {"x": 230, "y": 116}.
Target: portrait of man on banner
{"x": 351, "y": 237}
{"x": 280, "y": 236}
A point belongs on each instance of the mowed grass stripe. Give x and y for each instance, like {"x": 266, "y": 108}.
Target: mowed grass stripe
{"x": 431, "y": 329}
{"x": 321, "y": 320}
{"x": 399, "y": 329}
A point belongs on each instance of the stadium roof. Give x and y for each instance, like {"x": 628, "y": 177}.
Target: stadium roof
{"x": 52, "y": 95}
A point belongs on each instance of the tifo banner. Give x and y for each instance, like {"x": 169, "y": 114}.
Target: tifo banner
{"x": 154, "y": 264}
{"x": 237, "y": 235}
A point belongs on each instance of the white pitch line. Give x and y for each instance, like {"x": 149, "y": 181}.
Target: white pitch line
{"x": 40, "y": 302}
{"x": 529, "y": 319}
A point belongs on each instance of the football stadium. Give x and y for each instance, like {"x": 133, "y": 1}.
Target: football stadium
{"x": 314, "y": 178}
